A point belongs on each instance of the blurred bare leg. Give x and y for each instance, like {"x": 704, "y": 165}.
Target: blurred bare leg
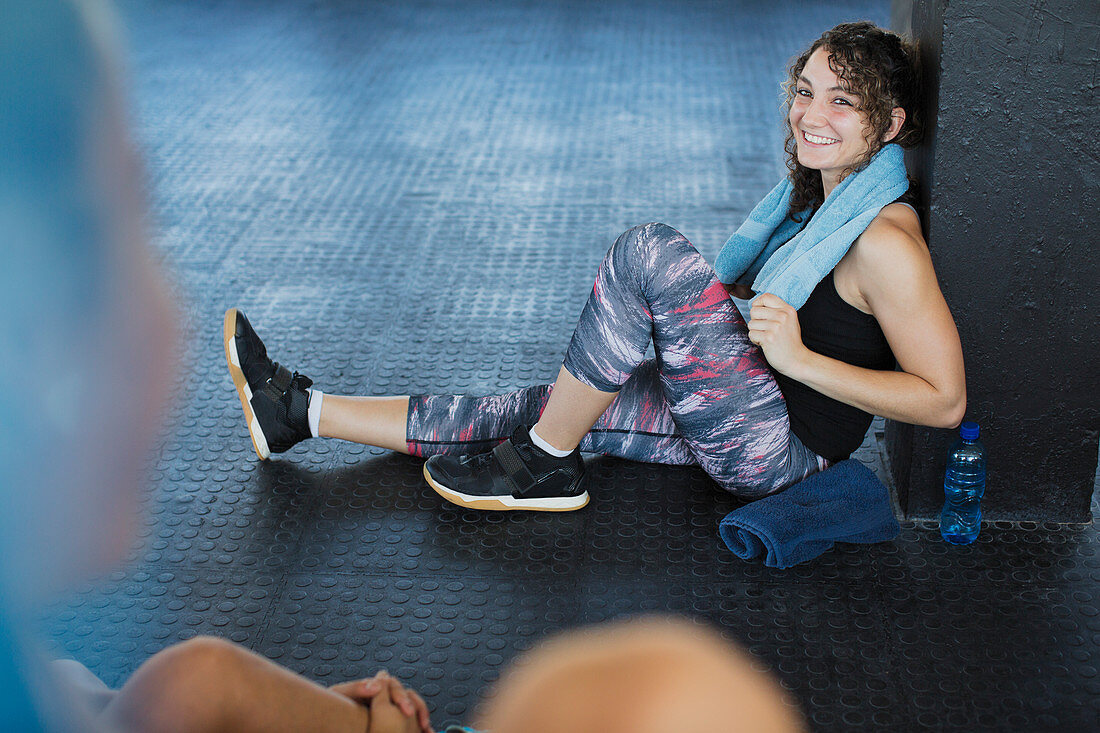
{"x": 208, "y": 685}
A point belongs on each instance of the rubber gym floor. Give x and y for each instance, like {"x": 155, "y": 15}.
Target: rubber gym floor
{"x": 412, "y": 197}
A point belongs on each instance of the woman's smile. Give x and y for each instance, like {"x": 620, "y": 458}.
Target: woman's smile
{"x": 818, "y": 140}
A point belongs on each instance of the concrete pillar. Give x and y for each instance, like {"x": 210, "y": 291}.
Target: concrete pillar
{"x": 1010, "y": 173}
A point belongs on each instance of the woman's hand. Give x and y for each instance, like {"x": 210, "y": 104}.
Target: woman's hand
{"x": 773, "y": 326}
{"x": 386, "y": 717}
{"x": 397, "y": 700}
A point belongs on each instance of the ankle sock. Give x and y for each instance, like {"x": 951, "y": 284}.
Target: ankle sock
{"x": 540, "y": 443}
{"x": 316, "y": 397}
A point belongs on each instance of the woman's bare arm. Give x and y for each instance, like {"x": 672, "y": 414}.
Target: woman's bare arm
{"x": 895, "y": 277}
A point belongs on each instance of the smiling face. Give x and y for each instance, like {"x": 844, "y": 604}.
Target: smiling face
{"x": 829, "y": 128}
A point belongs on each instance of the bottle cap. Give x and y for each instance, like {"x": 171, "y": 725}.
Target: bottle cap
{"x": 969, "y": 431}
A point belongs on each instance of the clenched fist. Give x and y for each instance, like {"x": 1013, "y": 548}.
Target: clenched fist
{"x": 773, "y": 326}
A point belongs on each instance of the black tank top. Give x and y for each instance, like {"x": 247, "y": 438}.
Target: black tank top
{"x": 832, "y": 328}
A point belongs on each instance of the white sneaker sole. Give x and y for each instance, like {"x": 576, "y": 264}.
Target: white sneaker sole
{"x": 507, "y": 503}
{"x": 229, "y": 332}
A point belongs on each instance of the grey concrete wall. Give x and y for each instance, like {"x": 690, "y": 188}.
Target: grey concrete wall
{"x": 1010, "y": 167}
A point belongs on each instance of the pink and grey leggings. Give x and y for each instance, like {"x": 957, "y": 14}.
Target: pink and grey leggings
{"x": 708, "y": 399}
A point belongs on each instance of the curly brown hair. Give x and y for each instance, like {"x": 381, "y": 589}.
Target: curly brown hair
{"x": 883, "y": 71}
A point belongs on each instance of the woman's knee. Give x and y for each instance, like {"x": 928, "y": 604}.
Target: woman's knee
{"x": 185, "y": 682}
{"x": 647, "y": 237}
{"x": 648, "y": 247}
{"x": 644, "y": 250}
{"x": 202, "y": 657}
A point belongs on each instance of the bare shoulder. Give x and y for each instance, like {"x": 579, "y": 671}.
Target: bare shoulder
{"x": 890, "y": 258}
{"x": 891, "y": 249}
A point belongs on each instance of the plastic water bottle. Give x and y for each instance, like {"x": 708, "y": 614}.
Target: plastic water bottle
{"x": 963, "y": 487}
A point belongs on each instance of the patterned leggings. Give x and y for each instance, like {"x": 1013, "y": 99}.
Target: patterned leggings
{"x": 708, "y": 399}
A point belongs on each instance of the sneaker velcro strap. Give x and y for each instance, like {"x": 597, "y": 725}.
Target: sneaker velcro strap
{"x": 515, "y": 470}
{"x": 278, "y": 383}
{"x": 297, "y": 409}
{"x": 281, "y": 378}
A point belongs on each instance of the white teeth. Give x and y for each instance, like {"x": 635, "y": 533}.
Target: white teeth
{"x": 819, "y": 140}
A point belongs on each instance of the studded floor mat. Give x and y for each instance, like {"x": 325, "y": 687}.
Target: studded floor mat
{"x": 412, "y": 197}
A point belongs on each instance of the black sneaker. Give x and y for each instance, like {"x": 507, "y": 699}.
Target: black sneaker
{"x": 517, "y": 474}
{"x": 275, "y": 402}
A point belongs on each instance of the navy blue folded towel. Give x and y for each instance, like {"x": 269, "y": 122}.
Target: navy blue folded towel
{"x": 843, "y": 503}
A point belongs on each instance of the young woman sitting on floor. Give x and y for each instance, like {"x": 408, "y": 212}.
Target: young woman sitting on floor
{"x": 847, "y": 289}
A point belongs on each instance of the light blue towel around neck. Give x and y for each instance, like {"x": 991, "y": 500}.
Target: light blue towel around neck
{"x": 770, "y": 252}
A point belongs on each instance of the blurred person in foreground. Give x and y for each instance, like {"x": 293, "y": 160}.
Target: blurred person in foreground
{"x": 646, "y": 675}
{"x": 86, "y": 324}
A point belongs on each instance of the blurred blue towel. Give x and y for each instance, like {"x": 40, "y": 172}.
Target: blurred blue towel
{"x": 843, "y": 503}
{"x": 770, "y": 252}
